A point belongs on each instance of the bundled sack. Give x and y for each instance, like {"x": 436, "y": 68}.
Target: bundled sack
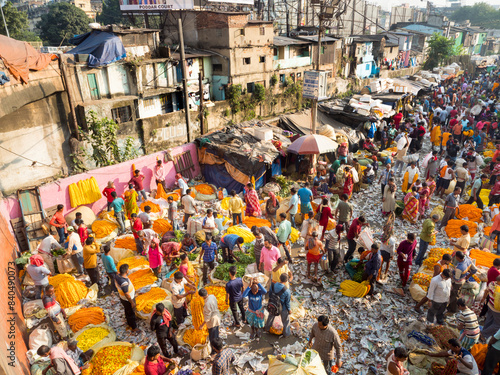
{"x": 309, "y": 364}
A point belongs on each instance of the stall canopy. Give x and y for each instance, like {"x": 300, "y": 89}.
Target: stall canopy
{"x": 20, "y": 57}
{"x": 102, "y": 47}
{"x": 231, "y": 157}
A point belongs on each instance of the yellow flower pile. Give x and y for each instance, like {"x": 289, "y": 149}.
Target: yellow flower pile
{"x": 193, "y": 336}
{"x": 220, "y": 293}
{"x": 145, "y": 302}
{"x": 204, "y": 189}
{"x": 139, "y": 370}
{"x": 483, "y": 258}
{"x": 133, "y": 262}
{"x": 110, "y": 359}
{"x": 160, "y": 193}
{"x": 197, "y": 304}
{"x": 103, "y": 228}
{"x": 250, "y": 221}
{"x": 154, "y": 206}
{"x": 69, "y": 292}
{"x": 245, "y": 233}
{"x": 142, "y": 278}
{"x": 488, "y": 153}
{"x": 84, "y": 192}
{"x": 430, "y": 262}
{"x": 294, "y": 235}
{"x": 126, "y": 243}
{"x": 469, "y": 211}
{"x": 351, "y": 288}
{"x": 60, "y": 278}
{"x": 438, "y": 252}
{"x": 453, "y": 228}
{"x": 90, "y": 337}
{"x": 162, "y": 226}
{"x": 423, "y": 280}
{"x": 84, "y": 317}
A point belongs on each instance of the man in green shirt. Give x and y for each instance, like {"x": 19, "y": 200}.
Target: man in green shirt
{"x": 284, "y": 231}
{"x": 333, "y": 171}
{"x": 428, "y": 232}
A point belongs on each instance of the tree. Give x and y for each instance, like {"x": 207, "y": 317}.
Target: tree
{"x": 62, "y": 22}
{"x": 440, "y": 48}
{"x": 111, "y": 14}
{"x": 17, "y": 23}
{"x": 480, "y": 14}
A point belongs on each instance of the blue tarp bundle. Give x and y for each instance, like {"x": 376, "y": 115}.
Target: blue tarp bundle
{"x": 103, "y": 47}
{"x": 217, "y": 175}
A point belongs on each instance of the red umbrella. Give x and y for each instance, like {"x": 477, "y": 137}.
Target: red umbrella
{"x": 313, "y": 144}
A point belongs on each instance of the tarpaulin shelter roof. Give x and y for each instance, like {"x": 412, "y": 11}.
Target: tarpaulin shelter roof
{"x": 239, "y": 148}
{"x": 20, "y": 57}
{"x": 103, "y": 47}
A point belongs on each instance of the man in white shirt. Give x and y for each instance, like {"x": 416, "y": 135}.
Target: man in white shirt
{"x": 466, "y": 364}
{"x": 211, "y": 315}
{"x": 293, "y": 206}
{"x": 45, "y": 248}
{"x": 439, "y": 296}
{"x": 146, "y": 236}
{"x": 387, "y": 252}
{"x": 208, "y": 223}
{"x": 179, "y": 295}
{"x": 189, "y": 206}
{"x": 75, "y": 248}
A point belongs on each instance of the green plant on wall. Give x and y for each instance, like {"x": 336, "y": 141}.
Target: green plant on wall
{"x": 103, "y": 141}
{"x": 259, "y": 93}
{"x": 274, "y": 80}
{"x": 234, "y": 97}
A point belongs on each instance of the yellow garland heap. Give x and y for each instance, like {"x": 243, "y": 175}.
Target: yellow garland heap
{"x": 469, "y": 211}
{"x": 69, "y": 292}
{"x": 194, "y": 337}
{"x": 161, "y": 226}
{"x": 84, "y": 192}
{"x": 133, "y": 262}
{"x": 60, "y": 278}
{"x": 423, "y": 280}
{"x": 351, "y": 288}
{"x": 142, "y": 278}
{"x": 103, "y": 228}
{"x": 91, "y": 337}
{"x": 145, "y": 302}
{"x": 154, "y": 207}
{"x": 110, "y": 359}
{"x": 84, "y": 317}
{"x": 197, "y": 304}
{"x": 220, "y": 293}
{"x": 483, "y": 258}
{"x": 245, "y": 233}
{"x": 453, "y": 228}
{"x": 126, "y": 243}
{"x": 139, "y": 370}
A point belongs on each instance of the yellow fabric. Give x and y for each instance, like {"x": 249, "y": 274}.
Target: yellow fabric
{"x": 235, "y": 205}
{"x": 282, "y": 270}
{"x": 406, "y": 187}
{"x": 436, "y": 135}
{"x": 446, "y": 136}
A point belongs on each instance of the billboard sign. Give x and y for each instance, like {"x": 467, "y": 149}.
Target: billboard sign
{"x": 314, "y": 86}
{"x": 247, "y": 2}
{"x": 155, "y": 5}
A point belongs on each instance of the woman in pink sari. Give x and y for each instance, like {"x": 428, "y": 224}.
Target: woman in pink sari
{"x": 431, "y": 184}
{"x": 252, "y": 201}
{"x": 423, "y": 199}
{"x": 349, "y": 182}
{"x": 410, "y": 212}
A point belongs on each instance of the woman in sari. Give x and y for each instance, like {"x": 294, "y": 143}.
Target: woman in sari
{"x": 348, "y": 182}
{"x": 130, "y": 198}
{"x": 431, "y": 184}
{"x": 410, "y": 212}
{"x": 252, "y": 201}
{"x": 357, "y": 167}
{"x": 389, "y": 198}
{"x": 423, "y": 199}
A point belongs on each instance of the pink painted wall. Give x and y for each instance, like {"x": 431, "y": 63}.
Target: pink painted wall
{"x": 57, "y": 192}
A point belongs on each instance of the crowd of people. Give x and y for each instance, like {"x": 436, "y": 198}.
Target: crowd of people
{"x": 458, "y": 118}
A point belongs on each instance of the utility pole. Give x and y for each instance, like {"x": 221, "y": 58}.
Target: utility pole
{"x": 184, "y": 81}
{"x": 299, "y": 14}
{"x": 4, "y": 22}
{"x": 314, "y": 108}
{"x": 353, "y": 16}
{"x": 202, "y": 110}
{"x": 364, "y": 18}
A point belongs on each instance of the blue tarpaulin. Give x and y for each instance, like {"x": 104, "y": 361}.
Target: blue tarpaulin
{"x": 217, "y": 175}
{"x": 103, "y": 47}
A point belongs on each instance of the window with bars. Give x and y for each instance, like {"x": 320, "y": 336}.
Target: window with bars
{"x": 121, "y": 114}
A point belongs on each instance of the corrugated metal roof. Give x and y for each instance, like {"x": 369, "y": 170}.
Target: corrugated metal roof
{"x": 314, "y": 38}
{"x": 285, "y": 41}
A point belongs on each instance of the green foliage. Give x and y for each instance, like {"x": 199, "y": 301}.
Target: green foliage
{"x": 17, "y": 23}
{"x": 480, "y": 14}
{"x": 227, "y": 112}
{"x": 440, "y": 48}
{"x": 288, "y": 82}
{"x": 459, "y": 50}
{"x": 111, "y": 14}
{"x": 234, "y": 96}
{"x": 102, "y": 138}
{"x": 274, "y": 80}
{"x": 61, "y": 23}
{"x": 284, "y": 184}
{"x": 222, "y": 271}
{"x": 259, "y": 93}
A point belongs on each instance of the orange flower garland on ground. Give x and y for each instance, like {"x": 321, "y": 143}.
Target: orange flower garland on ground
{"x": 126, "y": 243}
{"x": 453, "y": 228}
{"x": 161, "y": 226}
{"x": 103, "y": 228}
{"x": 250, "y": 221}
{"x": 154, "y": 206}
{"x": 483, "y": 258}
{"x": 469, "y": 211}
{"x": 142, "y": 278}
{"x": 193, "y": 336}
{"x": 133, "y": 262}
{"x": 110, "y": 359}
{"x": 204, "y": 189}
{"x": 220, "y": 293}
{"x": 84, "y": 317}
{"x": 139, "y": 370}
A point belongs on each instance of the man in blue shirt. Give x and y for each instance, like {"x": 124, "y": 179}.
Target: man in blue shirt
{"x": 109, "y": 266}
{"x": 227, "y": 244}
{"x": 117, "y": 206}
{"x": 293, "y": 206}
{"x": 372, "y": 267}
{"x": 285, "y": 299}
{"x": 234, "y": 296}
{"x": 208, "y": 254}
{"x": 284, "y": 232}
{"x": 305, "y": 195}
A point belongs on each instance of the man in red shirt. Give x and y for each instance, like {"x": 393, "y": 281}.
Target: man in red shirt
{"x": 453, "y": 112}
{"x": 136, "y": 228}
{"x": 107, "y": 192}
{"x": 59, "y": 222}
{"x": 494, "y": 271}
{"x": 397, "y": 119}
{"x": 352, "y": 234}
{"x": 137, "y": 180}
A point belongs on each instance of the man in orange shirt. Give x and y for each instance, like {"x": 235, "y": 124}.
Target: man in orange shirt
{"x": 59, "y": 222}
{"x": 457, "y": 130}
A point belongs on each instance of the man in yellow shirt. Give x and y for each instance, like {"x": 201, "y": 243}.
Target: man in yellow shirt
{"x": 90, "y": 251}
{"x": 280, "y": 268}
{"x": 462, "y": 243}
{"x": 235, "y": 207}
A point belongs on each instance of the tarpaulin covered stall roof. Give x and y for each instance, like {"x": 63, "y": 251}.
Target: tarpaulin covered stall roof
{"x": 102, "y": 47}
{"x": 20, "y": 57}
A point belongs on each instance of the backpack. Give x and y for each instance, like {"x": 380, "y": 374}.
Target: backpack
{"x": 274, "y": 304}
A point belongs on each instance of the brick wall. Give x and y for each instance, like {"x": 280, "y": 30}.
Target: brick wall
{"x": 212, "y": 20}
{"x": 13, "y": 336}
